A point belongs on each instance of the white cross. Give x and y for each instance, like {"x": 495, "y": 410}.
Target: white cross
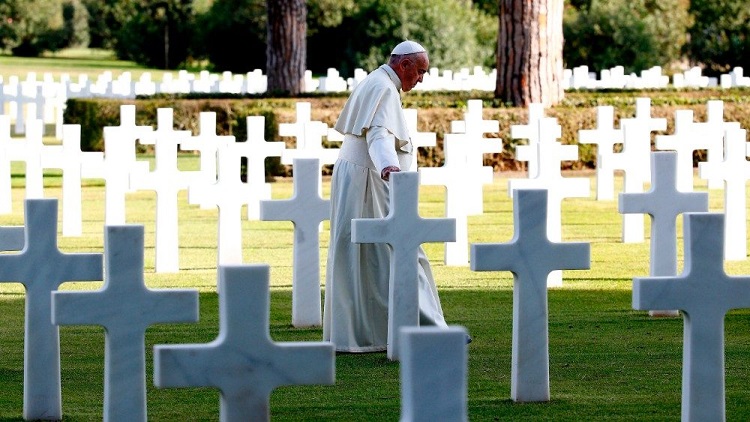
{"x": 309, "y": 136}
{"x": 550, "y": 177}
{"x": 712, "y": 132}
{"x": 207, "y": 143}
{"x": 531, "y": 256}
{"x": 418, "y": 139}
{"x": 705, "y": 293}
{"x": 306, "y": 209}
{"x": 405, "y": 231}
{"x": 42, "y": 268}
{"x": 605, "y": 137}
{"x": 125, "y": 307}
{"x": 73, "y": 162}
{"x": 9, "y": 149}
{"x": 255, "y": 150}
{"x": 32, "y": 156}
{"x": 243, "y": 362}
{"x": 167, "y": 181}
{"x": 734, "y": 170}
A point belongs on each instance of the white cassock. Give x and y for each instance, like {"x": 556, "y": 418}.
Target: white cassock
{"x": 355, "y": 316}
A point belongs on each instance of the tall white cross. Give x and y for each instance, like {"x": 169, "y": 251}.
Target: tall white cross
{"x": 9, "y": 149}
{"x": 243, "y": 362}
{"x": 306, "y": 209}
{"x": 405, "y": 231}
{"x": 705, "y": 293}
{"x": 42, "y": 268}
{"x": 125, "y": 307}
{"x": 605, "y": 137}
{"x": 32, "y": 155}
{"x": 531, "y": 256}
{"x": 418, "y": 139}
{"x": 309, "y": 135}
{"x": 734, "y": 170}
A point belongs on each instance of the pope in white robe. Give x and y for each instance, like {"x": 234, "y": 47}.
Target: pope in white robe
{"x": 376, "y": 143}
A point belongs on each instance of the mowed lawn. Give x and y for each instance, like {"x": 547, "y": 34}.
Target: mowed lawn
{"x": 607, "y": 361}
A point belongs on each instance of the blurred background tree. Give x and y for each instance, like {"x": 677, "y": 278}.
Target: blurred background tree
{"x": 720, "y": 34}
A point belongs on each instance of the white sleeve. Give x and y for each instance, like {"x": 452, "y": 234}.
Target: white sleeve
{"x": 381, "y": 144}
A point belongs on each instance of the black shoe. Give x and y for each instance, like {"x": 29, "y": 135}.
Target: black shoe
{"x": 468, "y": 339}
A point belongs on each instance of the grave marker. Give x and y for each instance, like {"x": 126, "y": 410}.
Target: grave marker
{"x": 306, "y": 209}
{"x": 9, "y": 148}
{"x": 41, "y": 267}
{"x": 405, "y": 231}
{"x": 705, "y": 293}
{"x": 125, "y": 307}
{"x": 418, "y": 139}
{"x": 243, "y": 362}
{"x": 31, "y": 154}
{"x": 605, "y": 137}
{"x": 309, "y": 135}
{"x": 531, "y": 256}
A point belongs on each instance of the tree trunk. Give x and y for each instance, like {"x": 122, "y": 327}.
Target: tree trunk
{"x": 286, "y": 47}
{"x": 529, "y": 52}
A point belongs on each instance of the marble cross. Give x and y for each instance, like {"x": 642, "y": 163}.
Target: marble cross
{"x": 243, "y": 362}
{"x": 229, "y": 193}
{"x": 712, "y": 132}
{"x": 418, "y": 139}
{"x": 456, "y": 174}
{"x": 605, "y": 137}
{"x": 663, "y": 202}
{"x": 306, "y": 209}
{"x": 434, "y": 374}
{"x": 531, "y": 256}
{"x": 73, "y": 162}
{"x": 207, "y": 143}
{"x": 41, "y": 267}
{"x": 9, "y": 149}
{"x": 125, "y": 307}
{"x": 550, "y": 177}
{"x": 309, "y": 135}
{"x": 256, "y": 150}
{"x": 12, "y": 238}
{"x": 167, "y": 181}
{"x": 547, "y": 133}
{"x": 32, "y": 156}
{"x": 529, "y": 131}
{"x": 684, "y": 141}
{"x": 734, "y": 170}
{"x": 705, "y": 293}
{"x": 405, "y": 231}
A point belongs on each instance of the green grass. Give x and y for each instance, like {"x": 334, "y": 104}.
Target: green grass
{"x": 607, "y": 361}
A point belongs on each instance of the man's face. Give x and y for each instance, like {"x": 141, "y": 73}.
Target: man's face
{"x": 413, "y": 70}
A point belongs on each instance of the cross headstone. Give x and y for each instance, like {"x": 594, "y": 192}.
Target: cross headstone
{"x": 309, "y": 135}
{"x": 663, "y": 202}
{"x": 32, "y": 156}
{"x": 9, "y": 149}
{"x": 550, "y": 177}
{"x": 434, "y": 374}
{"x": 125, "y": 307}
{"x": 712, "y": 132}
{"x": 531, "y": 256}
{"x": 41, "y": 267}
{"x": 473, "y": 127}
{"x": 685, "y": 140}
{"x": 73, "y": 162}
{"x": 456, "y": 174}
{"x": 306, "y": 209}
{"x": 207, "y": 143}
{"x": 229, "y": 194}
{"x": 418, "y": 139}
{"x": 605, "y": 137}
{"x": 734, "y": 170}
{"x": 705, "y": 293}
{"x": 167, "y": 181}
{"x": 255, "y": 150}
{"x": 243, "y": 362}
{"x": 12, "y": 238}
{"x": 405, "y": 231}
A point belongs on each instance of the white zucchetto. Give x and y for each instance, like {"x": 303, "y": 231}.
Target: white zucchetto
{"x": 407, "y": 47}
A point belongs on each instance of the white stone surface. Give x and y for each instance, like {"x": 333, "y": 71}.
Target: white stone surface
{"x": 9, "y": 148}
{"x": 605, "y": 137}
{"x": 550, "y": 177}
{"x": 309, "y": 135}
{"x": 306, "y": 209}
{"x": 531, "y": 256}
{"x": 418, "y": 139}
{"x": 32, "y": 156}
{"x": 125, "y": 307}
{"x": 734, "y": 170}
{"x": 72, "y": 161}
{"x": 405, "y": 231}
{"x": 167, "y": 181}
{"x": 705, "y": 293}
{"x": 663, "y": 202}
{"x": 434, "y": 374}
{"x": 42, "y": 268}
{"x": 12, "y": 238}
{"x": 243, "y": 362}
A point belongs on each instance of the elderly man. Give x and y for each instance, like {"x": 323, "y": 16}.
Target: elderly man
{"x": 376, "y": 144}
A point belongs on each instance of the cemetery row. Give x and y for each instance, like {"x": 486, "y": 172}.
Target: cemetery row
{"x": 535, "y": 255}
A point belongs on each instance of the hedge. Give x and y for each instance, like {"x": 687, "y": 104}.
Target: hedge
{"x": 436, "y": 111}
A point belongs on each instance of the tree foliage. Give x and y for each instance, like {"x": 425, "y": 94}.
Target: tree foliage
{"x": 720, "y": 36}
{"x": 30, "y": 27}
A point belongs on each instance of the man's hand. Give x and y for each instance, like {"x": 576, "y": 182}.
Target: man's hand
{"x": 385, "y": 174}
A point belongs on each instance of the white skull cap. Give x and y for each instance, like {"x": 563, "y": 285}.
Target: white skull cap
{"x": 407, "y": 47}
